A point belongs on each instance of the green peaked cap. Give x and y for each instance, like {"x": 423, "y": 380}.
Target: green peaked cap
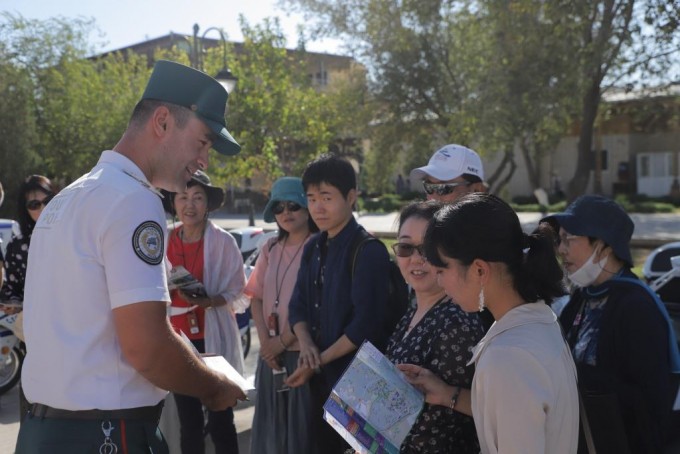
{"x": 179, "y": 84}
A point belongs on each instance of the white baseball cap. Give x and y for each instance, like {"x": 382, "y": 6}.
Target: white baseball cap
{"x": 449, "y": 162}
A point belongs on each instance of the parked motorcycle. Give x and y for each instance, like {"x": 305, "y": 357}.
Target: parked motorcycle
{"x": 12, "y": 352}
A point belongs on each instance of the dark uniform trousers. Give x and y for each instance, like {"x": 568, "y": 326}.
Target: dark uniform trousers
{"x": 70, "y": 436}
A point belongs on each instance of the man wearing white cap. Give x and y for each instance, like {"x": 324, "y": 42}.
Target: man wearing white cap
{"x": 452, "y": 172}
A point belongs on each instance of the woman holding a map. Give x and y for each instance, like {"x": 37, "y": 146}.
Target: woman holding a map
{"x": 205, "y": 313}
{"x": 435, "y": 334}
{"x": 524, "y": 396}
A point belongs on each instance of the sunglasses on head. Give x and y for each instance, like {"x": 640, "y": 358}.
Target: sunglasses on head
{"x": 443, "y": 188}
{"x": 35, "y": 204}
{"x": 407, "y": 249}
{"x": 281, "y": 206}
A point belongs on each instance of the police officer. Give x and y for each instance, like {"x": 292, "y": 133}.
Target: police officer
{"x": 101, "y": 352}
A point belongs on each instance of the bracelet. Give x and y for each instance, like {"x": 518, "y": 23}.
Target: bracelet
{"x": 285, "y": 347}
{"x": 454, "y": 398}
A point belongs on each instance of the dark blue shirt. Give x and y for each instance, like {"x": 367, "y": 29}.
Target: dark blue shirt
{"x": 333, "y": 303}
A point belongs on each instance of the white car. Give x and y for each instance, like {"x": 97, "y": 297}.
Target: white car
{"x": 249, "y": 240}
{"x": 7, "y": 227}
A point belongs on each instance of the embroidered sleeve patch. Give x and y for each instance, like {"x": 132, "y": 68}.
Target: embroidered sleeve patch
{"x": 147, "y": 241}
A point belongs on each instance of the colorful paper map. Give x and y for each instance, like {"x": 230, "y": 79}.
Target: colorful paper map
{"x": 374, "y": 403}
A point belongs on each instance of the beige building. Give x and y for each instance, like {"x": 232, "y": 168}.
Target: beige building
{"x": 639, "y": 147}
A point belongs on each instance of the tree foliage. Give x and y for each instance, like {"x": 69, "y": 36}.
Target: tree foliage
{"x": 62, "y": 108}
{"x": 497, "y": 75}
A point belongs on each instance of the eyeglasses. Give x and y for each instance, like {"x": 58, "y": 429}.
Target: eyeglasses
{"x": 35, "y": 204}
{"x": 566, "y": 240}
{"x": 443, "y": 188}
{"x": 407, "y": 249}
{"x": 281, "y": 206}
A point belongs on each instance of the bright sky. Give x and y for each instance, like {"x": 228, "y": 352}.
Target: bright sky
{"x": 126, "y": 22}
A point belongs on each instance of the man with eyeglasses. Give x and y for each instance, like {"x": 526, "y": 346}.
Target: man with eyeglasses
{"x": 452, "y": 172}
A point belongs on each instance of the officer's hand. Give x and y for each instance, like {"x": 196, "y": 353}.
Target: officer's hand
{"x": 228, "y": 394}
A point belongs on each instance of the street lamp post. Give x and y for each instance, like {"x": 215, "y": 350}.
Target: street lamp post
{"x": 224, "y": 76}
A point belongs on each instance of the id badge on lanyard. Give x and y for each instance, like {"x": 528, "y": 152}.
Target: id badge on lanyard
{"x": 193, "y": 322}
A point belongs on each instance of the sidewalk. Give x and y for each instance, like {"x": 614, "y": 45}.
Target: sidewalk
{"x": 651, "y": 230}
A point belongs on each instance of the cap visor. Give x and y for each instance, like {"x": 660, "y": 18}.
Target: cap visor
{"x": 224, "y": 143}
{"x": 434, "y": 172}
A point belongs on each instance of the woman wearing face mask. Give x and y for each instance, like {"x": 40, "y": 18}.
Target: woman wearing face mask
{"x": 618, "y": 334}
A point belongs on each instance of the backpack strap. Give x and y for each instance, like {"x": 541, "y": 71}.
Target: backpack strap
{"x": 358, "y": 240}
{"x": 673, "y": 350}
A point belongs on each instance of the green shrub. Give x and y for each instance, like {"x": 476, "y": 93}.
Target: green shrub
{"x": 385, "y": 203}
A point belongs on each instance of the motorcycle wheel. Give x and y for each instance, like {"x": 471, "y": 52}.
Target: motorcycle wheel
{"x": 10, "y": 370}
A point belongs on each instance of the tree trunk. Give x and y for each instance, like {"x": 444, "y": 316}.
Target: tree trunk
{"x": 591, "y": 102}
{"x": 507, "y": 164}
{"x": 532, "y": 167}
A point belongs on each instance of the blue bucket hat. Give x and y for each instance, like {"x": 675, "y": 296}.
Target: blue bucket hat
{"x": 598, "y": 217}
{"x": 286, "y": 189}
{"x": 207, "y": 98}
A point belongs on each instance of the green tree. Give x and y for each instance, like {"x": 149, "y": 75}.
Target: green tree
{"x": 496, "y": 74}
{"x": 615, "y": 42}
{"x": 84, "y": 108}
{"x": 279, "y": 119}
{"x": 475, "y": 73}
{"x": 27, "y": 49}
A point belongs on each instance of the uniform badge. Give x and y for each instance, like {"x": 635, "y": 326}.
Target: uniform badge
{"x": 147, "y": 241}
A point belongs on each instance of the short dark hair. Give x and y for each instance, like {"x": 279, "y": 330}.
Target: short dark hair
{"x": 330, "y": 169}
{"x": 146, "y": 107}
{"x": 482, "y": 226}
{"x": 31, "y": 183}
{"x": 421, "y": 209}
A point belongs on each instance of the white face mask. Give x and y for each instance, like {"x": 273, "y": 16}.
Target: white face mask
{"x": 588, "y": 272}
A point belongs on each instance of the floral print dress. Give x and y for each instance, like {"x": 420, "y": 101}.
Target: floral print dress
{"x": 16, "y": 258}
{"x": 442, "y": 342}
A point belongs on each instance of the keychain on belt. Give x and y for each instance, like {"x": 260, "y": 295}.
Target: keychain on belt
{"x": 108, "y": 447}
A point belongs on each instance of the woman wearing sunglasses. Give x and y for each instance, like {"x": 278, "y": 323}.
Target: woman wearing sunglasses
{"x": 35, "y": 192}
{"x": 437, "y": 335}
{"x": 524, "y": 397}
{"x": 282, "y": 415}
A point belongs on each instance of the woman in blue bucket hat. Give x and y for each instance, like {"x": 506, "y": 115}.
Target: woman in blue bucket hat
{"x": 618, "y": 331}
{"x": 282, "y": 415}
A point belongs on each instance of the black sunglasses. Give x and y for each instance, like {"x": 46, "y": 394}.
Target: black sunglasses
{"x": 281, "y": 206}
{"x": 35, "y": 204}
{"x": 443, "y": 188}
{"x": 407, "y": 249}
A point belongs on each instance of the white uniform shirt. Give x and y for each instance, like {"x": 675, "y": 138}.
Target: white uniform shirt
{"x": 524, "y": 397}
{"x": 97, "y": 246}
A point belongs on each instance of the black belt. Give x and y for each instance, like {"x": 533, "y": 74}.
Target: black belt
{"x": 141, "y": 413}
